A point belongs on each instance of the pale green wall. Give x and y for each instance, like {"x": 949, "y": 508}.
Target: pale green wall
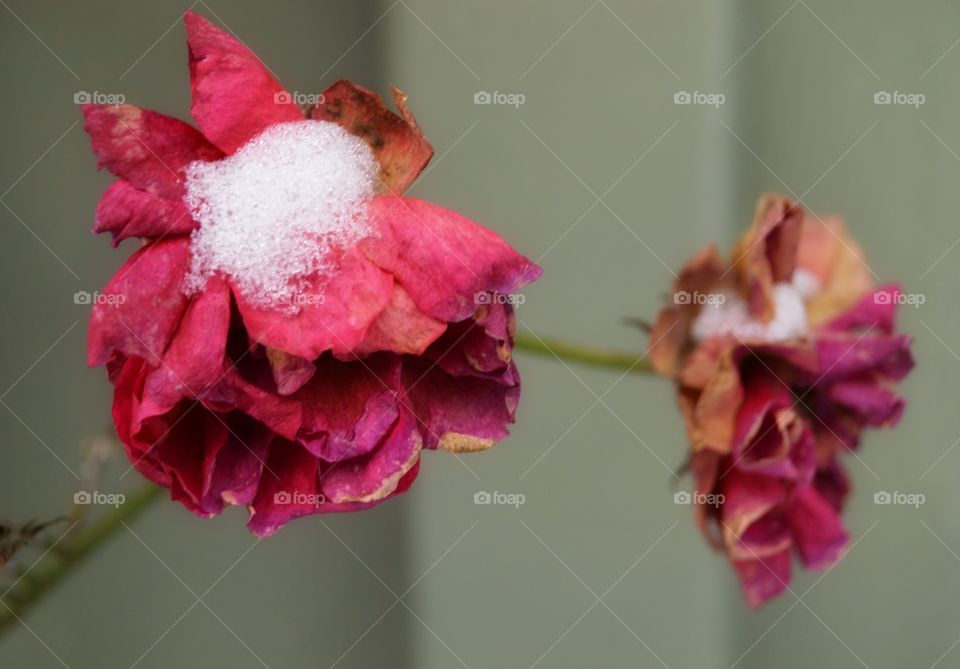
{"x": 602, "y": 495}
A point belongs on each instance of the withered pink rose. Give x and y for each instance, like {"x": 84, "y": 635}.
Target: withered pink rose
{"x": 782, "y": 357}
{"x": 293, "y": 333}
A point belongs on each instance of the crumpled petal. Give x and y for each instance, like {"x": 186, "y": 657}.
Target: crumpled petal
{"x": 235, "y": 97}
{"x": 145, "y": 148}
{"x": 442, "y": 259}
{"x": 143, "y": 306}
{"x": 396, "y": 141}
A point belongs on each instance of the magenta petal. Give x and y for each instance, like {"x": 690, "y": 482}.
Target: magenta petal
{"x": 235, "y": 97}
{"x": 145, "y": 148}
{"x": 142, "y": 304}
{"x": 349, "y": 407}
{"x": 869, "y": 399}
{"x": 442, "y": 258}
{"x": 289, "y": 488}
{"x": 126, "y": 211}
{"x": 195, "y": 357}
{"x": 818, "y": 532}
{"x": 375, "y": 476}
{"x": 762, "y": 579}
{"x": 335, "y": 317}
{"x": 750, "y": 515}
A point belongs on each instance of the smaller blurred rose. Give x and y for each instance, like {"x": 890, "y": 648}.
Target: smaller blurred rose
{"x": 781, "y": 358}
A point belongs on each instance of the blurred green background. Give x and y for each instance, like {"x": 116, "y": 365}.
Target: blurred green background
{"x": 608, "y": 183}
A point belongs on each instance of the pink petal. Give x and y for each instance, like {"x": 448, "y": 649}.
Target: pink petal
{"x": 337, "y": 320}
{"x": 126, "y": 211}
{"x": 397, "y": 143}
{"x": 235, "y": 97}
{"x": 194, "y": 360}
{"x": 142, "y": 304}
{"x": 752, "y": 500}
{"x": 441, "y": 258}
{"x": 145, "y": 148}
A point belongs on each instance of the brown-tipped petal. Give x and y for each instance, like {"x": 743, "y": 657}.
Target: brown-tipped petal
{"x": 396, "y": 141}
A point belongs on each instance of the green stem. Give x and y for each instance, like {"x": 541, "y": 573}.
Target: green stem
{"x": 68, "y": 554}
{"x": 586, "y": 355}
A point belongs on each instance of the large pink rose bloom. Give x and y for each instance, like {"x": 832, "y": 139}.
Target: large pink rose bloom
{"x": 782, "y": 357}
{"x": 399, "y": 340}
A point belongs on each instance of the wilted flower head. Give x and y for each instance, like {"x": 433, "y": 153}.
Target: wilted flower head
{"x": 293, "y": 332}
{"x": 782, "y": 357}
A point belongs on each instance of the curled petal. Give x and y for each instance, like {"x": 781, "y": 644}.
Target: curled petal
{"x": 396, "y": 141}
{"x": 235, "y": 97}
